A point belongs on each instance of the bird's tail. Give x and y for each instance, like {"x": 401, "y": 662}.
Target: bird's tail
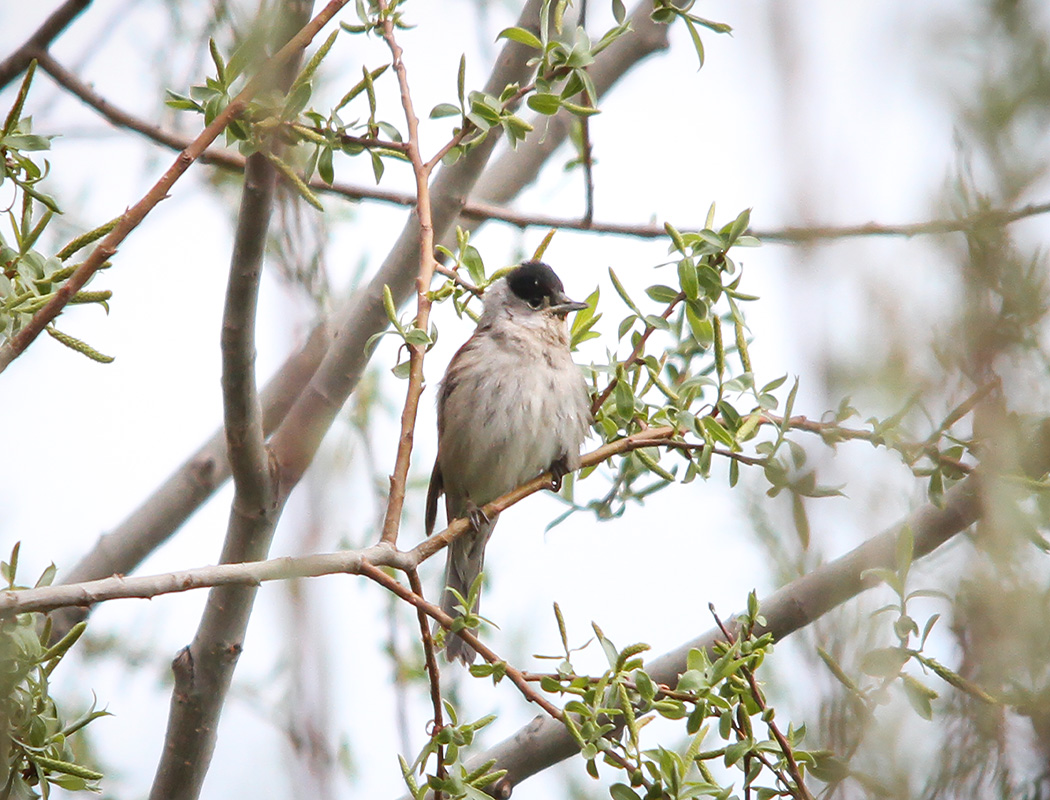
{"x": 466, "y": 559}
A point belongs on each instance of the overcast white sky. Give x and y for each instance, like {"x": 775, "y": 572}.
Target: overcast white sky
{"x": 849, "y": 134}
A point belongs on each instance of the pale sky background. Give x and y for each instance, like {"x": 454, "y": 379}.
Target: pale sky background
{"x": 853, "y": 133}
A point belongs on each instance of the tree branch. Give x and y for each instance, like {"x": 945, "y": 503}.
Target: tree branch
{"x": 424, "y": 214}
{"x": 16, "y": 63}
{"x": 88, "y": 593}
{"x": 204, "y": 669}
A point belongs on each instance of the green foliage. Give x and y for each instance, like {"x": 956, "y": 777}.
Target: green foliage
{"x": 35, "y": 751}
{"x": 717, "y": 701}
{"x": 29, "y": 279}
{"x": 452, "y": 775}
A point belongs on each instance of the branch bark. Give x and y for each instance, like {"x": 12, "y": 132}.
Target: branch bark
{"x": 204, "y": 669}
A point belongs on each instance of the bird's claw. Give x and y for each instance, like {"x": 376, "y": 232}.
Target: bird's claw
{"x": 478, "y": 518}
{"x": 558, "y": 470}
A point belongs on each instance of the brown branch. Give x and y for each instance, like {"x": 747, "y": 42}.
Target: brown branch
{"x": 89, "y": 593}
{"x": 425, "y": 218}
{"x": 835, "y": 432}
{"x": 446, "y": 621}
{"x": 433, "y": 674}
{"x": 105, "y": 250}
{"x": 16, "y": 63}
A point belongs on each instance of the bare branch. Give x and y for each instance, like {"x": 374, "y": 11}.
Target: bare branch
{"x": 425, "y": 217}
{"x": 87, "y": 593}
{"x": 245, "y": 439}
{"x": 204, "y": 669}
{"x": 433, "y": 673}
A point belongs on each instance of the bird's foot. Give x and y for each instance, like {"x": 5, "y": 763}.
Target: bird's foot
{"x": 559, "y": 469}
{"x": 478, "y": 518}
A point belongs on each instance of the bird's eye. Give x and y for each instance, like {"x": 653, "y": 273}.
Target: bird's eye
{"x": 535, "y": 302}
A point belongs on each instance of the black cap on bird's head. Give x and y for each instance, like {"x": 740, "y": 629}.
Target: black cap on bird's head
{"x": 536, "y": 284}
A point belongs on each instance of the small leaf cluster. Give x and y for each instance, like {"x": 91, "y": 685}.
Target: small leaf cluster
{"x": 453, "y": 778}
{"x": 690, "y": 385}
{"x": 563, "y": 60}
{"x": 35, "y": 752}
{"x": 407, "y": 331}
{"x": 714, "y": 698}
{"x": 665, "y": 11}
{"x": 28, "y": 277}
{"x": 274, "y": 119}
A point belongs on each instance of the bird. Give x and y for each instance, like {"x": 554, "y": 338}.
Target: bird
{"x": 512, "y": 405}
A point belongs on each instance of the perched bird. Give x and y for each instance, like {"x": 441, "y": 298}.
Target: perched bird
{"x": 512, "y": 405}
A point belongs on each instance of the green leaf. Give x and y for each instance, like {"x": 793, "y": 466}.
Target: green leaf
{"x": 919, "y": 695}
{"x": 698, "y": 45}
{"x": 687, "y": 278}
{"x": 578, "y": 110}
{"x": 545, "y": 103}
{"x": 220, "y": 64}
{"x": 619, "y": 791}
{"x": 181, "y": 102}
{"x": 444, "y": 110}
{"x": 884, "y": 662}
{"x": 623, "y": 293}
{"x": 521, "y": 36}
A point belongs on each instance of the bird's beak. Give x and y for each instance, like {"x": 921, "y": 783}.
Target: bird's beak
{"x": 566, "y": 305}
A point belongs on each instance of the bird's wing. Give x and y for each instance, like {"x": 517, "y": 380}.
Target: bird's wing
{"x": 437, "y": 487}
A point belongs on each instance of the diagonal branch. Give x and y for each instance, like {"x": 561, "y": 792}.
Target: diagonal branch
{"x": 88, "y": 593}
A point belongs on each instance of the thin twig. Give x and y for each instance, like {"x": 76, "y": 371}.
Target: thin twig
{"x": 433, "y": 673}
{"x": 446, "y": 621}
{"x": 481, "y": 211}
{"x": 587, "y": 158}
{"x": 427, "y": 263}
{"x": 835, "y": 432}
